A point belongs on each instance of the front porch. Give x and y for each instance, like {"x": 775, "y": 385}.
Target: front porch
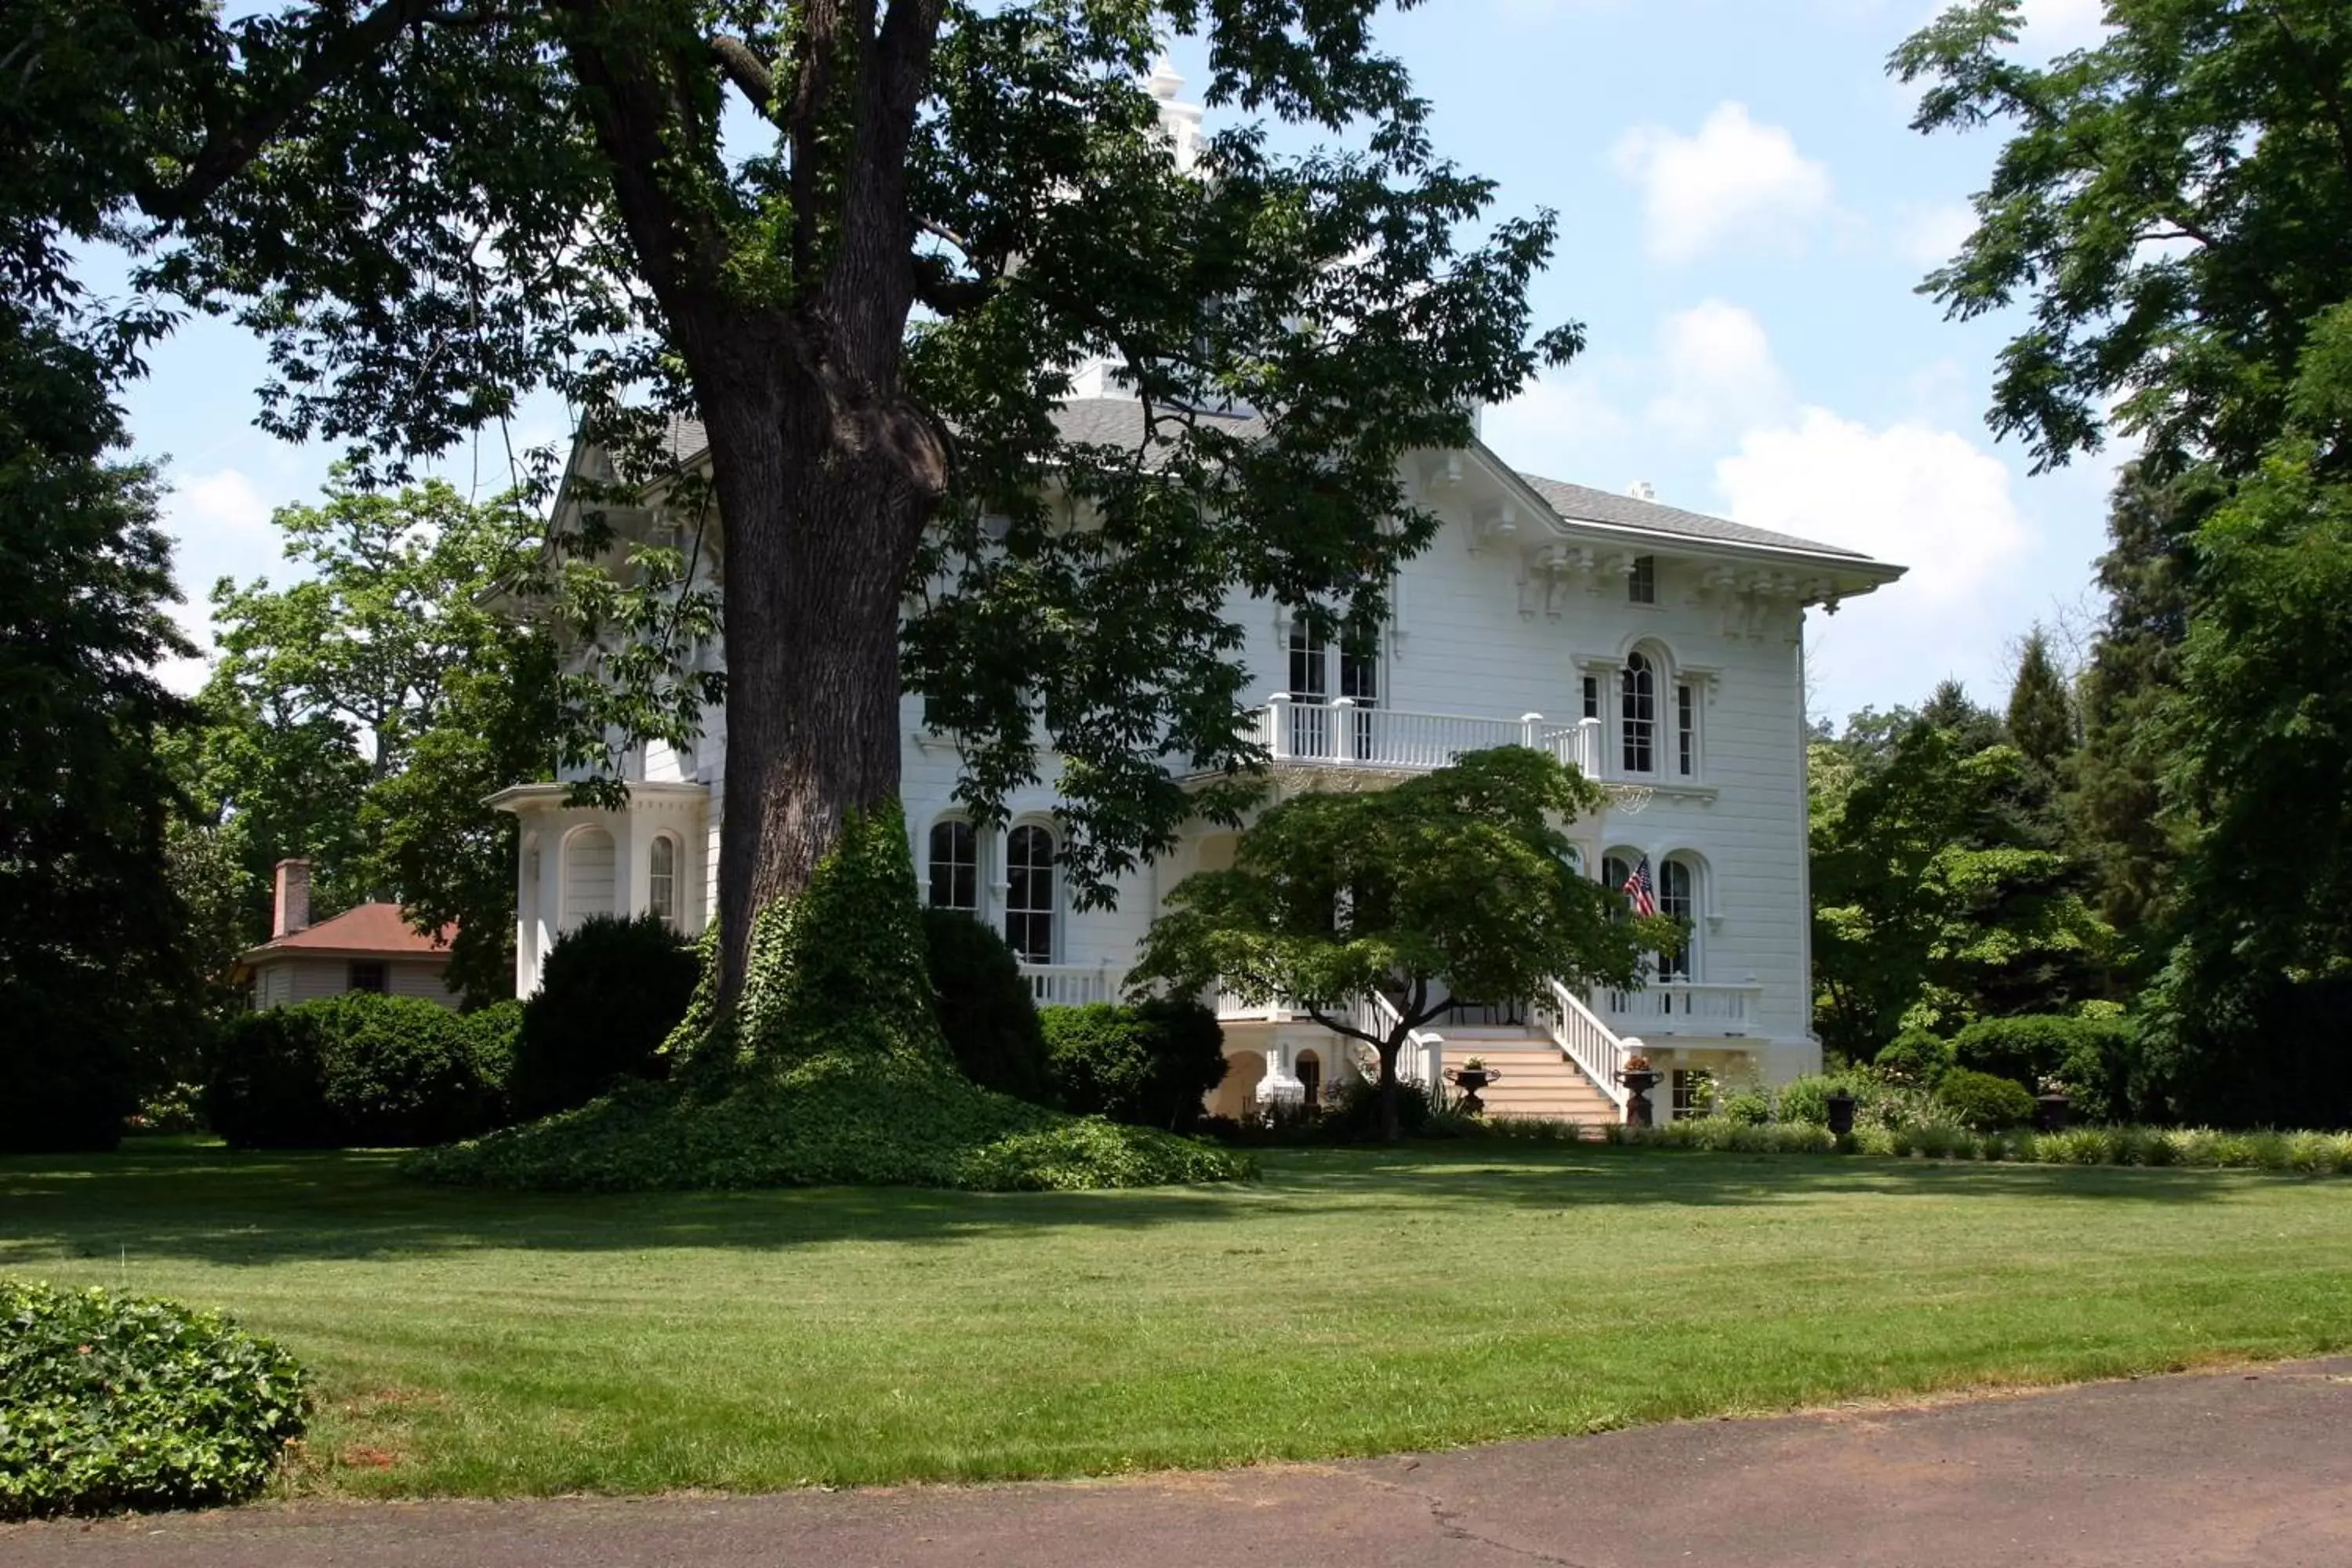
{"x": 1559, "y": 1057}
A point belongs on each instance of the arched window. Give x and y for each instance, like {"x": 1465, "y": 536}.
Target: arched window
{"x": 1029, "y": 893}
{"x": 587, "y": 876}
{"x": 661, "y": 880}
{"x": 955, "y": 866}
{"x": 1678, "y": 900}
{"x": 1638, "y": 753}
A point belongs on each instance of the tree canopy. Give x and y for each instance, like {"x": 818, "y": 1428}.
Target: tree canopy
{"x": 1459, "y": 884}
{"x": 867, "y": 245}
{"x": 358, "y": 716}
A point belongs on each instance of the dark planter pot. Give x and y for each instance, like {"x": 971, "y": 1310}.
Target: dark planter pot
{"x": 1841, "y": 1107}
{"x": 2050, "y": 1113}
{"x": 1639, "y": 1084}
{"x": 1470, "y": 1081}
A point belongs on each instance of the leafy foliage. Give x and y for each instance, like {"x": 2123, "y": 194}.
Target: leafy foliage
{"x": 93, "y": 958}
{"x": 358, "y": 1069}
{"x": 1915, "y": 1057}
{"x": 359, "y": 718}
{"x": 1983, "y": 1101}
{"x": 1938, "y": 897}
{"x": 610, "y": 992}
{"x": 986, "y": 1014}
{"x": 111, "y": 1401}
{"x": 1148, "y": 1064}
{"x": 1454, "y": 884}
{"x": 833, "y": 1070}
{"x": 2175, "y": 205}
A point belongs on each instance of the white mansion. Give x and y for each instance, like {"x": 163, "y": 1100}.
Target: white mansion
{"x": 1660, "y": 651}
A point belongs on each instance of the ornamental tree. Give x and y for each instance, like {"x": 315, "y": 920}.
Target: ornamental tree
{"x": 865, "y": 241}
{"x": 1459, "y": 883}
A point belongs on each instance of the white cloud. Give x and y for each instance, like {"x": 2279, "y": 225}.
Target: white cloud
{"x": 224, "y": 505}
{"x": 219, "y": 526}
{"x": 1735, "y": 180}
{"x": 1908, "y": 493}
{"x": 1931, "y": 235}
{"x": 1717, "y": 370}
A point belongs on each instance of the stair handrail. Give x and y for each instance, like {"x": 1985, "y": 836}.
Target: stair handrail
{"x": 1584, "y": 1039}
{"x": 1422, "y": 1060}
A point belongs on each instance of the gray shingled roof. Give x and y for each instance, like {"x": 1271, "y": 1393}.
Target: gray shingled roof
{"x": 1118, "y": 422}
{"x": 1582, "y": 503}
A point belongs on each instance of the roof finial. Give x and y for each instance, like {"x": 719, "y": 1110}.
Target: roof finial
{"x": 1163, "y": 83}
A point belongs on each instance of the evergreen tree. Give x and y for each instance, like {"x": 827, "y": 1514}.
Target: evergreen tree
{"x": 2041, "y": 709}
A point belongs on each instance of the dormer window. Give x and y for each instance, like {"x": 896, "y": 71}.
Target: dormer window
{"x": 1642, "y": 583}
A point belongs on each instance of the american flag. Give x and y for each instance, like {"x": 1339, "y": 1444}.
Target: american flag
{"x": 1638, "y": 888}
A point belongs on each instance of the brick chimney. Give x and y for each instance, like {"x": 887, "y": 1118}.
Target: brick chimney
{"x": 293, "y": 898}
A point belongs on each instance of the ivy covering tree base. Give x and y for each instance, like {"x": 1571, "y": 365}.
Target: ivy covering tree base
{"x": 831, "y": 1070}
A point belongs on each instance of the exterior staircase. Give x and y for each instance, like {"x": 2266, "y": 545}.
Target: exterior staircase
{"x": 1537, "y": 1080}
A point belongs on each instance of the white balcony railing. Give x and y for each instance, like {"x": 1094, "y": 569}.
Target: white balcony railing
{"x": 1071, "y": 985}
{"x": 1681, "y": 1007}
{"x": 1347, "y": 733}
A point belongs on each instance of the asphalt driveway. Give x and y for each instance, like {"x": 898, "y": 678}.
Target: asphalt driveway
{"x": 2206, "y": 1468}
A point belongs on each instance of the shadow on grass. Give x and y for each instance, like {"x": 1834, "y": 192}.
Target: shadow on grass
{"x": 216, "y": 1205}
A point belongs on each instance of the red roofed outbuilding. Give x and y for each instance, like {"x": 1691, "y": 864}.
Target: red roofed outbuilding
{"x": 371, "y": 947}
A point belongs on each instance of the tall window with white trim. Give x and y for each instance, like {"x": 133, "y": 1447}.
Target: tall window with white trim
{"x": 1029, "y": 893}
{"x": 1686, "y": 730}
{"x": 954, "y": 866}
{"x": 1678, "y": 901}
{"x": 1638, "y": 748}
{"x": 661, "y": 880}
{"x": 1310, "y": 688}
{"x": 1642, "y": 583}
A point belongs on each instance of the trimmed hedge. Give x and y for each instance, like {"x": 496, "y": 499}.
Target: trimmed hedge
{"x": 112, "y": 1401}
{"x": 831, "y": 1069}
{"x": 2189, "y": 1148}
{"x": 985, "y": 1011}
{"x": 1983, "y": 1102}
{"x": 1919, "y": 1057}
{"x": 358, "y": 1069}
{"x": 609, "y": 994}
{"x": 1148, "y": 1064}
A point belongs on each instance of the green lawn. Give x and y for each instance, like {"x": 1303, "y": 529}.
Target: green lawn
{"x": 1350, "y": 1302}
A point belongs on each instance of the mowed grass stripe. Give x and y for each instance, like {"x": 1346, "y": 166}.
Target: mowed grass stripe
{"x": 1351, "y": 1302}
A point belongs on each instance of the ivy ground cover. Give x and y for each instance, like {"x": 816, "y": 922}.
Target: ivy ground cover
{"x": 490, "y": 1342}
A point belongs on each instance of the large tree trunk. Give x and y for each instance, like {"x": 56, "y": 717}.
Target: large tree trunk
{"x": 824, "y": 491}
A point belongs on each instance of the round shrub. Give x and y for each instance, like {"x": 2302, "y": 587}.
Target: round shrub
{"x": 1983, "y": 1102}
{"x": 1748, "y": 1109}
{"x": 984, "y": 1007}
{"x": 609, "y": 994}
{"x": 1915, "y": 1057}
{"x": 357, "y": 1069}
{"x": 112, "y": 1401}
{"x": 1148, "y": 1064}
{"x": 1354, "y": 1117}
{"x": 2025, "y": 1049}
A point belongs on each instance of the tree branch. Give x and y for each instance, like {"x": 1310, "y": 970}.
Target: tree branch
{"x": 229, "y": 148}
{"x": 748, "y": 71}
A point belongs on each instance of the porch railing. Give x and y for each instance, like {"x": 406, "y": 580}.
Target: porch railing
{"x": 1683, "y": 1007}
{"x": 1587, "y": 1042}
{"x": 1071, "y": 985}
{"x": 1347, "y": 733}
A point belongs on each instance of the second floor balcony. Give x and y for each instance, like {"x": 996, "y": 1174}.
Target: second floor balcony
{"x": 1346, "y": 734}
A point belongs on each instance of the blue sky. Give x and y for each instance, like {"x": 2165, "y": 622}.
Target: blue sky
{"x": 1744, "y": 215}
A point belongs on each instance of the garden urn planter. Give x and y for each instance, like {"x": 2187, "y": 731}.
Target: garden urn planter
{"x": 1470, "y": 1081}
{"x": 1841, "y": 1107}
{"x": 2050, "y": 1113}
{"x": 1639, "y": 1082}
